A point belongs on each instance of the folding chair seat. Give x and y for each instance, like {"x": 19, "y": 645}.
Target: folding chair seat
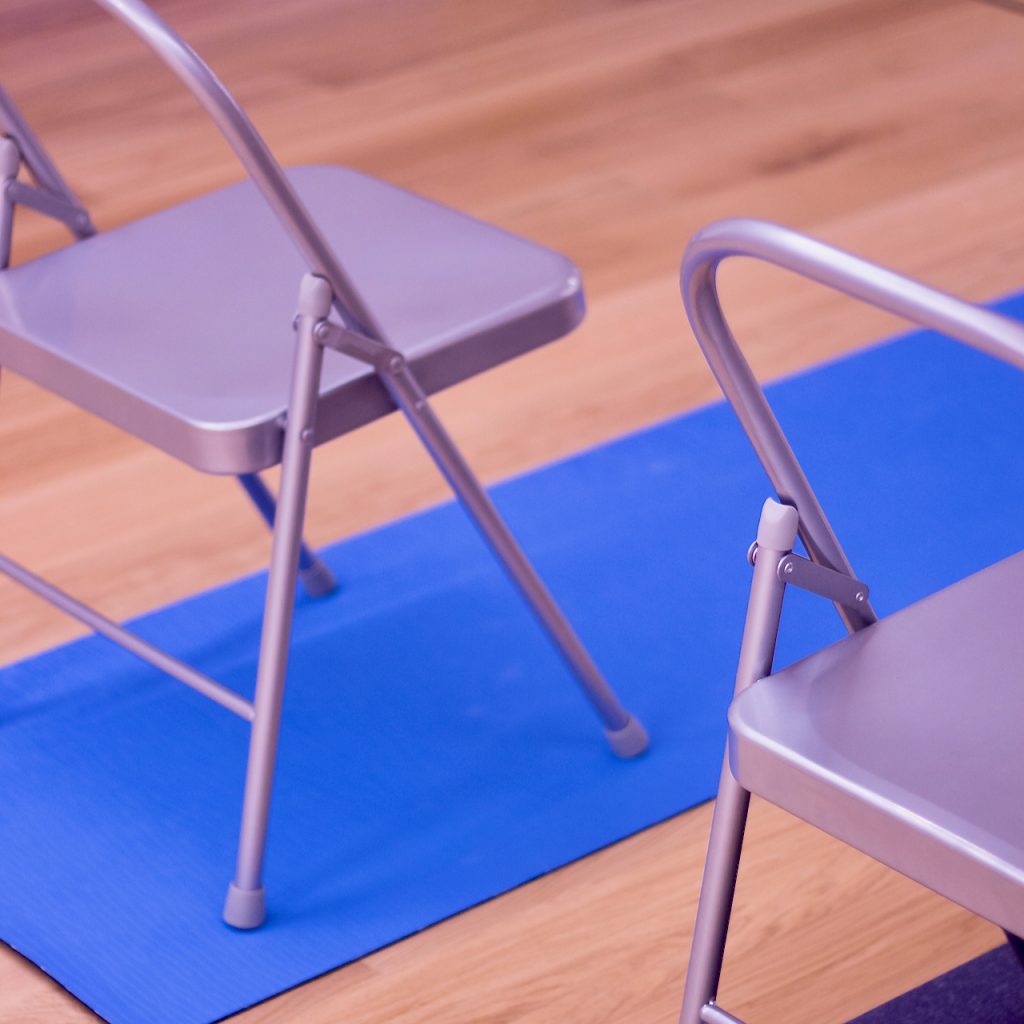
{"x": 206, "y": 376}
{"x": 181, "y": 329}
{"x": 904, "y": 739}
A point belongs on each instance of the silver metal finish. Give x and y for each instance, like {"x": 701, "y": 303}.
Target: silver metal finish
{"x": 314, "y": 305}
{"x": 450, "y": 297}
{"x": 10, "y": 161}
{"x": 730, "y": 816}
{"x": 41, "y": 167}
{"x": 712, "y": 1014}
{"x": 48, "y": 204}
{"x": 904, "y": 740}
{"x": 455, "y": 295}
{"x": 351, "y": 343}
{"x": 317, "y": 580}
{"x": 410, "y": 398}
{"x": 128, "y": 640}
{"x": 474, "y": 499}
{"x": 254, "y": 154}
{"x": 825, "y": 582}
{"x": 980, "y": 328}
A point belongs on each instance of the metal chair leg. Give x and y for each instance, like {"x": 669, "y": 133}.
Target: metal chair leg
{"x": 721, "y": 866}
{"x": 775, "y": 538}
{"x": 316, "y": 579}
{"x": 625, "y": 734}
{"x": 10, "y": 161}
{"x": 245, "y": 904}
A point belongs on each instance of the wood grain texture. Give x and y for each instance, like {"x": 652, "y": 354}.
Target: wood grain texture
{"x": 609, "y": 129}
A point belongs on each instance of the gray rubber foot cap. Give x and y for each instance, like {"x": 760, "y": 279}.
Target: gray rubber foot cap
{"x": 245, "y": 908}
{"x": 318, "y": 580}
{"x": 630, "y": 740}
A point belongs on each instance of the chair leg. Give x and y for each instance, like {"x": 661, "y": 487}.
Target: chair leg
{"x": 775, "y": 538}
{"x": 245, "y": 904}
{"x": 316, "y": 579}
{"x": 10, "y": 161}
{"x": 625, "y": 734}
{"x": 717, "y": 889}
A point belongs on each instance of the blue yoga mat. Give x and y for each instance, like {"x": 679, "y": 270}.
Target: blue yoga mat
{"x": 435, "y": 751}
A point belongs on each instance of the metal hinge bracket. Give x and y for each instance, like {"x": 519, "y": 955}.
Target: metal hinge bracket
{"x": 381, "y": 356}
{"x": 836, "y": 586}
{"x": 819, "y": 579}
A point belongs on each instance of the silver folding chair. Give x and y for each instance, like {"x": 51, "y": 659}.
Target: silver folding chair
{"x": 175, "y": 329}
{"x": 859, "y": 738}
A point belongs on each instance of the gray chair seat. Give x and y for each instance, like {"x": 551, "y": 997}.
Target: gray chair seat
{"x": 177, "y": 327}
{"x": 906, "y": 740}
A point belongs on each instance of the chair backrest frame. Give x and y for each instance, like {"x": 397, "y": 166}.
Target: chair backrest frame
{"x": 240, "y": 134}
{"x": 964, "y": 322}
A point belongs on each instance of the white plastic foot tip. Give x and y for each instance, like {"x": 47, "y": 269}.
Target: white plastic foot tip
{"x": 778, "y": 526}
{"x": 245, "y": 908}
{"x": 318, "y": 580}
{"x": 315, "y": 297}
{"x": 629, "y": 741}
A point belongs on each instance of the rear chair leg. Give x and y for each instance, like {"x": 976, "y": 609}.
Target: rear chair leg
{"x": 625, "y": 734}
{"x": 316, "y": 579}
{"x": 10, "y": 161}
{"x": 776, "y": 535}
{"x": 245, "y": 904}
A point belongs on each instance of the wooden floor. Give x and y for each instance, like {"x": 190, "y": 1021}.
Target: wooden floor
{"x": 609, "y": 129}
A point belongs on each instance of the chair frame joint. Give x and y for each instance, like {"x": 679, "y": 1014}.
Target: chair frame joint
{"x": 378, "y": 354}
{"x": 51, "y": 198}
{"x": 821, "y": 580}
{"x": 712, "y": 1013}
{"x": 804, "y": 574}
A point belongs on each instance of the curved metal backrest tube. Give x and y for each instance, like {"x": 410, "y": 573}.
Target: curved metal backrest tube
{"x": 253, "y": 152}
{"x": 980, "y": 328}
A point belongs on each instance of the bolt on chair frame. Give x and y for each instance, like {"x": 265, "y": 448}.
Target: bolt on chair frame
{"x": 325, "y": 288}
{"x": 827, "y": 572}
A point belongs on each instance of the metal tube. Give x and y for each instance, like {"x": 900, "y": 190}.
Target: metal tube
{"x": 49, "y": 205}
{"x": 718, "y": 887}
{"x": 252, "y": 151}
{"x": 980, "y": 328}
{"x": 129, "y": 641}
{"x": 245, "y": 905}
{"x": 728, "y": 822}
{"x": 625, "y": 734}
{"x": 6, "y": 227}
{"x": 10, "y": 161}
{"x": 712, "y": 1014}
{"x": 39, "y": 163}
{"x": 259, "y": 494}
{"x": 409, "y": 397}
